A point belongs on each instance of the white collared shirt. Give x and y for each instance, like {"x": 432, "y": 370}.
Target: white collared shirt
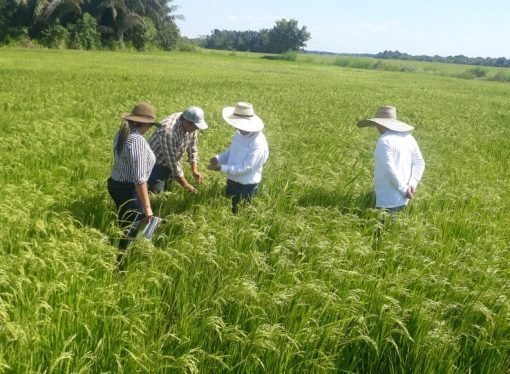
{"x": 243, "y": 161}
{"x": 398, "y": 165}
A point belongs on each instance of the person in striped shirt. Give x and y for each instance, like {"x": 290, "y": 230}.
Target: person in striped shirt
{"x": 176, "y": 135}
{"x": 133, "y": 161}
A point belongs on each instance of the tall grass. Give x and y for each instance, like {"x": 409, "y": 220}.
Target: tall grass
{"x": 371, "y": 63}
{"x": 294, "y": 282}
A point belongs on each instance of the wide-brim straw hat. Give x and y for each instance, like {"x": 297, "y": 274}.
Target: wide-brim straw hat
{"x": 242, "y": 117}
{"x": 386, "y": 116}
{"x": 142, "y": 112}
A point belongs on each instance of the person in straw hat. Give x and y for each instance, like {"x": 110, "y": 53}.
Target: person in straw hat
{"x": 399, "y": 164}
{"x": 133, "y": 161}
{"x": 243, "y": 161}
{"x": 176, "y": 135}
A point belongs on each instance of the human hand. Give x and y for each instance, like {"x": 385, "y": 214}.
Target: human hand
{"x": 191, "y": 189}
{"x": 148, "y": 215}
{"x": 198, "y": 176}
{"x": 214, "y": 167}
{"x": 411, "y": 192}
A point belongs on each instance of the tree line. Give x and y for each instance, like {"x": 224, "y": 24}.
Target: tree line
{"x": 458, "y": 59}
{"x": 90, "y": 24}
{"x": 285, "y": 36}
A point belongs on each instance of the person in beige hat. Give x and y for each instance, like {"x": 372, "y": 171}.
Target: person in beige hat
{"x": 243, "y": 161}
{"x": 398, "y": 162}
{"x": 133, "y": 161}
{"x": 177, "y": 134}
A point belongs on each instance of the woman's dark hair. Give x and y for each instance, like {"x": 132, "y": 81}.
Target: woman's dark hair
{"x": 125, "y": 129}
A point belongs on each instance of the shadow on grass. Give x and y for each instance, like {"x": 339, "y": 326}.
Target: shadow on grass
{"x": 346, "y": 203}
{"x": 289, "y": 56}
{"x": 89, "y": 210}
{"x": 177, "y": 201}
{"x": 97, "y": 210}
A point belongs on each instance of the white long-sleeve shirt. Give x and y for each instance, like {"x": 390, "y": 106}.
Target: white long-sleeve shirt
{"x": 398, "y": 165}
{"x": 243, "y": 161}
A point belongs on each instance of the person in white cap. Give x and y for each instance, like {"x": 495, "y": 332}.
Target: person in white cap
{"x": 243, "y": 161}
{"x": 399, "y": 164}
{"x": 177, "y": 133}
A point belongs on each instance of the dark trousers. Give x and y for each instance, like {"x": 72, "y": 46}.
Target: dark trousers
{"x": 129, "y": 216}
{"x": 238, "y": 192}
{"x": 383, "y": 220}
{"x": 159, "y": 179}
{"x": 395, "y": 209}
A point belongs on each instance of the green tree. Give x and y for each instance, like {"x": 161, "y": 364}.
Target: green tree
{"x": 168, "y": 35}
{"x": 61, "y": 9}
{"x": 56, "y": 36}
{"x": 85, "y": 35}
{"x": 115, "y": 20}
{"x": 144, "y": 37}
{"x": 287, "y": 36}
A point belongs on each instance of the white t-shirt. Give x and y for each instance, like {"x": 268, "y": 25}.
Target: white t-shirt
{"x": 398, "y": 165}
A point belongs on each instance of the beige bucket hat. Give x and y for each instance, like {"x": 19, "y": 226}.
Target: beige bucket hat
{"x": 386, "y": 116}
{"x": 142, "y": 112}
{"x": 242, "y": 117}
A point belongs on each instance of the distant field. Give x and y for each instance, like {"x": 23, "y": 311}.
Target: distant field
{"x": 490, "y": 73}
{"x": 293, "y": 283}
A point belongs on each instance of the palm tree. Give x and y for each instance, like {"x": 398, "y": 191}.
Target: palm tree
{"x": 163, "y": 14}
{"x": 114, "y": 17}
{"x": 60, "y": 8}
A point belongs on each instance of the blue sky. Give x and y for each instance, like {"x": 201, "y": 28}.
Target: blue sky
{"x": 431, "y": 27}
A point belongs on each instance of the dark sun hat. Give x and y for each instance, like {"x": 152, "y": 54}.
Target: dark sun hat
{"x": 142, "y": 112}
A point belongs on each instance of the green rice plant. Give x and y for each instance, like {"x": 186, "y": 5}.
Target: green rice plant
{"x": 293, "y": 283}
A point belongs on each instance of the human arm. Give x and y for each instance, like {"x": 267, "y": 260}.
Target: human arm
{"x": 214, "y": 165}
{"x": 418, "y": 166}
{"x": 254, "y": 157}
{"x": 185, "y": 184}
{"x": 417, "y": 169}
{"x": 385, "y": 163}
{"x": 140, "y": 154}
{"x": 192, "y": 151}
{"x": 216, "y": 161}
{"x": 171, "y": 145}
{"x": 142, "y": 192}
{"x": 222, "y": 158}
{"x": 169, "y": 152}
{"x": 196, "y": 174}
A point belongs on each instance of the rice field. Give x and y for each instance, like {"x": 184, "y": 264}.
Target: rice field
{"x": 294, "y": 282}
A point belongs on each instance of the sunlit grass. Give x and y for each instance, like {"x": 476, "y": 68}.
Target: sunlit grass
{"x": 293, "y": 283}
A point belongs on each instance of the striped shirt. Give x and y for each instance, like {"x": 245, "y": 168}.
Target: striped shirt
{"x": 169, "y": 142}
{"x": 135, "y": 163}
